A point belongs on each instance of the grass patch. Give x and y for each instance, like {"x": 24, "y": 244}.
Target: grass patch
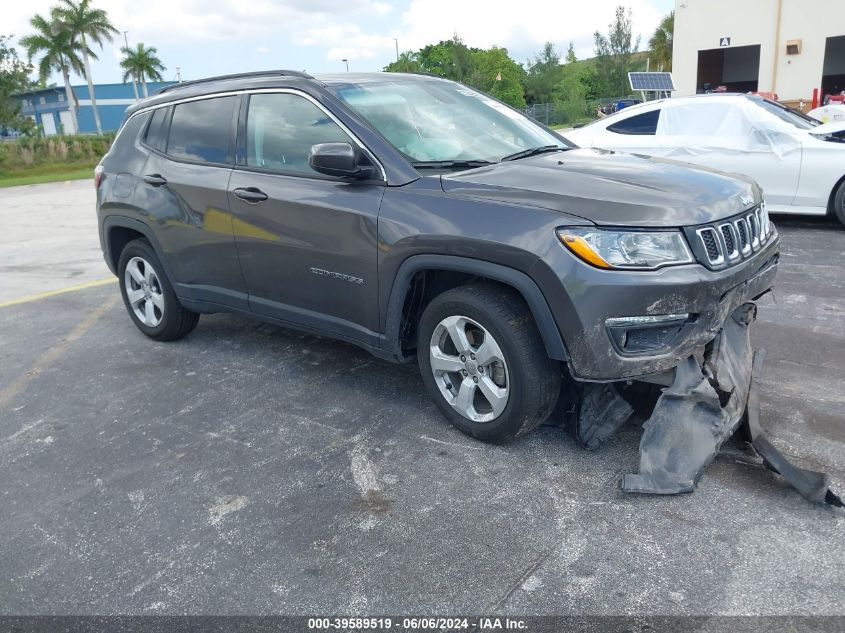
{"x": 46, "y": 173}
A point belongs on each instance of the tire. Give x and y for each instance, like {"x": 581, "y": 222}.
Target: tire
{"x": 156, "y": 310}
{"x": 510, "y": 387}
{"x": 839, "y": 203}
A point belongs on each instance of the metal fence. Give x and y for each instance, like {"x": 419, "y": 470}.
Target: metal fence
{"x": 569, "y": 112}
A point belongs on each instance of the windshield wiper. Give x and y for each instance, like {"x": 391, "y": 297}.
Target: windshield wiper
{"x": 450, "y": 164}
{"x": 533, "y": 151}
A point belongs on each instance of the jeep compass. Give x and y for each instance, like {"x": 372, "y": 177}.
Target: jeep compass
{"x": 421, "y": 219}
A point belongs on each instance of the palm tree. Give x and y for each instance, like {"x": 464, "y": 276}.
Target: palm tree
{"x": 85, "y": 24}
{"x": 141, "y": 62}
{"x": 58, "y": 52}
{"x": 661, "y": 42}
{"x": 406, "y": 63}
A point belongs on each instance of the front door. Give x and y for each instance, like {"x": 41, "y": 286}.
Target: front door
{"x": 307, "y": 243}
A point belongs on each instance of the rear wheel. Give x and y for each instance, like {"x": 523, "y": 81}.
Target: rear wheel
{"x": 839, "y": 203}
{"x": 148, "y": 295}
{"x": 484, "y": 363}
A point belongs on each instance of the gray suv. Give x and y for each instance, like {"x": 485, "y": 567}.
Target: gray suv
{"x": 418, "y": 218}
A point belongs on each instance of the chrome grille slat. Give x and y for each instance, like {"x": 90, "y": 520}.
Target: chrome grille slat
{"x": 712, "y": 245}
{"x": 730, "y": 240}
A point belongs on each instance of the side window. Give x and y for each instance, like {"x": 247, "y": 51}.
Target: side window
{"x": 641, "y": 125}
{"x": 202, "y": 130}
{"x": 282, "y": 127}
{"x": 153, "y": 137}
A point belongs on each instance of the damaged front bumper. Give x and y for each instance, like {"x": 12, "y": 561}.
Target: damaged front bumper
{"x": 703, "y": 407}
{"x": 705, "y": 402}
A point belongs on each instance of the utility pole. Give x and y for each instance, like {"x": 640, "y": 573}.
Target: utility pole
{"x": 132, "y": 74}
{"x": 396, "y": 39}
{"x": 346, "y": 61}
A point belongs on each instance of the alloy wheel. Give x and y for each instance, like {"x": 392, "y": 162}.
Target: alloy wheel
{"x": 143, "y": 291}
{"x": 469, "y": 368}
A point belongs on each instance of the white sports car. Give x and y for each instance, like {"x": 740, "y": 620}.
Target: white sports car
{"x": 798, "y": 161}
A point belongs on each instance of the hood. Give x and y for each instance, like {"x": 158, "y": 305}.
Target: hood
{"x": 829, "y": 128}
{"x": 610, "y": 188}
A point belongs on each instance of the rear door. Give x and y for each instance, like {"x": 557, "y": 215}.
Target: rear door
{"x": 307, "y": 243}
{"x": 183, "y": 189}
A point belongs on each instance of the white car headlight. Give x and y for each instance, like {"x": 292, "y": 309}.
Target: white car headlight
{"x": 627, "y": 250}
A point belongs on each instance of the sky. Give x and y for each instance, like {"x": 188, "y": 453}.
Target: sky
{"x": 200, "y": 38}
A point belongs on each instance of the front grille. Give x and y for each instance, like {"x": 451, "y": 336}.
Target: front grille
{"x": 730, "y": 243}
{"x": 733, "y": 240}
{"x": 711, "y": 244}
{"x": 742, "y": 229}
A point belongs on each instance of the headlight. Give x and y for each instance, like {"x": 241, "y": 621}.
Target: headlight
{"x": 630, "y": 250}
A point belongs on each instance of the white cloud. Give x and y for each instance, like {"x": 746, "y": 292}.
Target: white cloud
{"x": 331, "y": 30}
{"x": 483, "y": 23}
{"x": 346, "y": 41}
{"x": 505, "y": 23}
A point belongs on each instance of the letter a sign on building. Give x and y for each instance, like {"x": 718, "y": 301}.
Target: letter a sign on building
{"x": 724, "y": 41}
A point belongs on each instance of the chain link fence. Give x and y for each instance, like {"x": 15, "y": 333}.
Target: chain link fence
{"x": 572, "y": 112}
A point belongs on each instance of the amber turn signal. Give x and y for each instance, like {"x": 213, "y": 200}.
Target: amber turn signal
{"x": 582, "y": 249}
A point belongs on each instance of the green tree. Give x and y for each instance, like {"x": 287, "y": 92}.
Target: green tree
{"x": 570, "y": 54}
{"x": 407, "y": 63}
{"x": 86, "y": 26}
{"x": 543, "y": 74}
{"x": 490, "y": 70}
{"x": 58, "y": 53}
{"x": 660, "y": 43}
{"x": 494, "y": 72}
{"x": 14, "y": 78}
{"x": 141, "y": 63}
{"x": 613, "y": 54}
{"x": 449, "y": 58}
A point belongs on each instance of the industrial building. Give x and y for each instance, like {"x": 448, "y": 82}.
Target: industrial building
{"x": 786, "y": 47}
{"x": 49, "y": 106}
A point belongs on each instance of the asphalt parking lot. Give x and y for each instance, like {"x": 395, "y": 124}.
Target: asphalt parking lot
{"x": 249, "y": 469}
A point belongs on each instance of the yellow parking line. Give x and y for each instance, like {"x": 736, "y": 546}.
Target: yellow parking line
{"x": 53, "y": 293}
{"x": 54, "y": 353}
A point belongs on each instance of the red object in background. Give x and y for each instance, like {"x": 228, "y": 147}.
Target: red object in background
{"x": 837, "y": 98}
{"x": 815, "y": 98}
{"x": 771, "y": 96}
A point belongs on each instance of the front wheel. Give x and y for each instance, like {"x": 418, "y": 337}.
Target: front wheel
{"x": 839, "y": 203}
{"x": 148, "y": 296}
{"x": 484, "y": 363}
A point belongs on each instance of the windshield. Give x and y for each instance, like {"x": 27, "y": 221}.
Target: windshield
{"x": 439, "y": 121}
{"x": 793, "y": 117}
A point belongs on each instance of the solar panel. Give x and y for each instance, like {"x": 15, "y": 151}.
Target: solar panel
{"x": 651, "y": 81}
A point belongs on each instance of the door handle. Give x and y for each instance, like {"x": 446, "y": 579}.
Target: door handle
{"x": 156, "y": 180}
{"x": 253, "y": 195}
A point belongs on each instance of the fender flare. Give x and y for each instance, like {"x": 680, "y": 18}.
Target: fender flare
{"x": 519, "y": 281}
{"x": 121, "y": 221}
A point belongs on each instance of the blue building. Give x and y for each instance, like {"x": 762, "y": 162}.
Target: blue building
{"x": 50, "y": 109}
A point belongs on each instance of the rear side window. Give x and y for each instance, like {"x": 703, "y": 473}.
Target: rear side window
{"x": 155, "y": 130}
{"x": 202, "y": 130}
{"x": 644, "y": 124}
{"x": 281, "y": 128}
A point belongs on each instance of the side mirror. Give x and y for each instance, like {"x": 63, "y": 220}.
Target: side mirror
{"x": 339, "y": 159}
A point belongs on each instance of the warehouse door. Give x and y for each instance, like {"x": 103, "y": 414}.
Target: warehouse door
{"x": 736, "y": 68}
{"x": 48, "y": 121}
{"x": 833, "y": 77}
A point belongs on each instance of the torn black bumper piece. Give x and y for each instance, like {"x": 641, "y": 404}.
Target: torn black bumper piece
{"x": 702, "y": 408}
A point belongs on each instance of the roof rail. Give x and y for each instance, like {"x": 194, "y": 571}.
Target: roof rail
{"x": 259, "y": 73}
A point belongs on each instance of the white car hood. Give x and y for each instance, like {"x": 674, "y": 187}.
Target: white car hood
{"x": 829, "y": 128}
